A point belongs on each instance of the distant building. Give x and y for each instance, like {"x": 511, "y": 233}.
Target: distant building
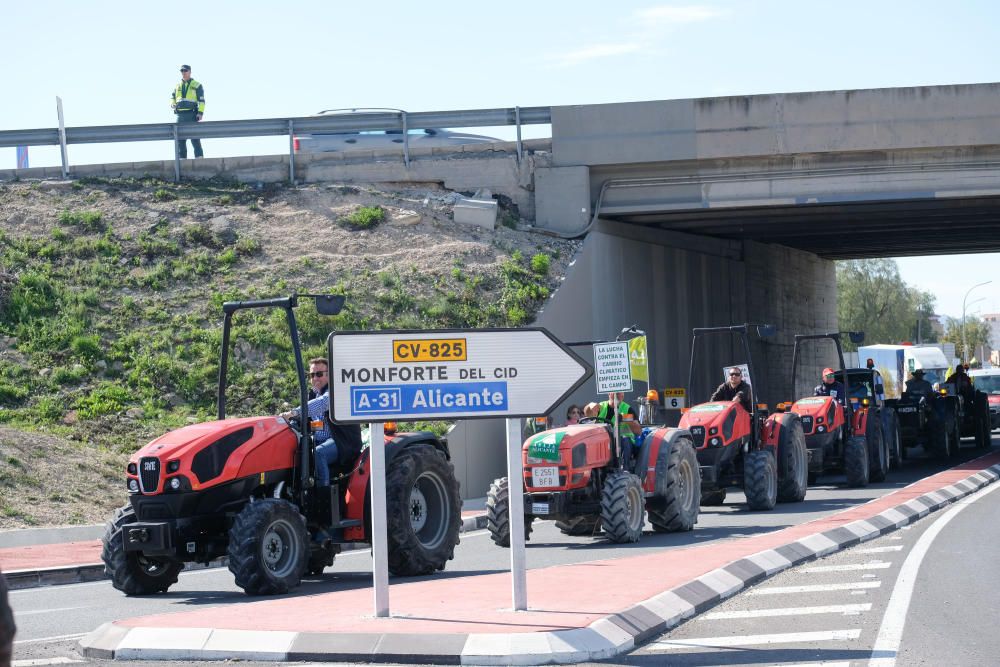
{"x": 936, "y": 326}
{"x": 993, "y": 320}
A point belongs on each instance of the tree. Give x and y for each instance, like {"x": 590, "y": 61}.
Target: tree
{"x": 977, "y": 333}
{"x": 871, "y": 297}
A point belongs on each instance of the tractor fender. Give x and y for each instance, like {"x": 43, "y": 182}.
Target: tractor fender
{"x": 656, "y": 446}
{"x": 773, "y": 425}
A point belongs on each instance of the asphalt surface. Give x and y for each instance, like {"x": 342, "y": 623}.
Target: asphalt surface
{"x": 52, "y": 619}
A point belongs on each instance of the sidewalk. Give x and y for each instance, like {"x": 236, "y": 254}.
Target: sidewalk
{"x": 579, "y": 612}
{"x": 72, "y": 554}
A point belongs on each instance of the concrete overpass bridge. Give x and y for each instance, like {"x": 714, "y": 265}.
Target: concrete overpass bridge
{"x": 715, "y": 211}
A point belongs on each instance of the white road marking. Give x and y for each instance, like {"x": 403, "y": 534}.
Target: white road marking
{"x": 788, "y": 611}
{"x": 47, "y": 611}
{"x": 56, "y": 638}
{"x": 43, "y": 661}
{"x": 881, "y": 550}
{"x": 890, "y": 633}
{"x": 755, "y": 640}
{"x": 816, "y": 588}
{"x": 874, "y": 565}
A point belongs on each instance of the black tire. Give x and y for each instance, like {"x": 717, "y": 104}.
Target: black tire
{"x": 939, "y": 441}
{"x": 622, "y": 507}
{"x": 895, "y": 440}
{"x": 132, "y": 572}
{"x": 674, "y": 508}
{"x": 878, "y": 449}
{"x": 984, "y": 426}
{"x": 715, "y": 498}
{"x": 794, "y": 461}
{"x": 321, "y": 558}
{"x": 268, "y": 547}
{"x": 423, "y": 509}
{"x": 956, "y": 438}
{"x": 856, "y": 461}
{"x": 760, "y": 480}
{"x": 498, "y": 513}
{"x": 586, "y": 524}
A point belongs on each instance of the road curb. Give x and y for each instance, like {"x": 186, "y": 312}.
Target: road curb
{"x": 604, "y": 638}
{"x": 87, "y": 572}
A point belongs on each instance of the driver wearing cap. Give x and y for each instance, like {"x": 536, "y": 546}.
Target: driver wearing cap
{"x": 830, "y": 386}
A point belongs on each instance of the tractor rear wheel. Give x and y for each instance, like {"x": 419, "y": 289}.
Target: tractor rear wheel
{"x": 794, "y": 461}
{"x": 132, "y": 572}
{"x": 498, "y": 513}
{"x": 587, "y": 524}
{"x": 956, "y": 438}
{"x": 423, "y": 511}
{"x": 856, "y": 461}
{"x": 268, "y": 547}
{"x": 622, "y": 507}
{"x": 895, "y": 442}
{"x": 760, "y": 480}
{"x": 674, "y": 508}
{"x": 983, "y": 424}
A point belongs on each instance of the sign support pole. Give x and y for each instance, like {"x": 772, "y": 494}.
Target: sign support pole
{"x": 515, "y": 487}
{"x": 380, "y": 540}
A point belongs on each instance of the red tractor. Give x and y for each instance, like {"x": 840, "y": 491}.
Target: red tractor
{"x": 579, "y": 476}
{"x": 854, "y": 433}
{"x": 764, "y": 454}
{"x": 244, "y": 488}
{"x": 587, "y": 479}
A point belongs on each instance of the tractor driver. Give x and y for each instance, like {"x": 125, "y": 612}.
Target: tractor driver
{"x": 628, "y": 421}
{"x": 918, "y": 386}
{"x": 831, "y": 386}
{"x": 734, "y": 389}
{"x": 963, "y": 383}
{"x": 339, "y": 444}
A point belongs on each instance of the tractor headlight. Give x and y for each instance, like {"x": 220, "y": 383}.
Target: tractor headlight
{"x": 133, "y": 486}
{"x": 173, "y": 466}
{"x": 175, "y": 483}
{"x": 821, "y": 429}
{"x": 579, "y": 455}
{"x": 715, "y": 442}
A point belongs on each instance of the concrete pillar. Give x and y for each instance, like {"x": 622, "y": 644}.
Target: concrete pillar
{"x": 562, "y": 198}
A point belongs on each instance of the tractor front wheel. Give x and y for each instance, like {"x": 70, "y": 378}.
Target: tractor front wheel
{"x": 132, "y": 572}
{"x": 622, "y": 507}
{"x": 760, "y": 480}
{"x": 856, "y": 461}
{"x": 498, "y": 513}
{"x": 268, "y": 547}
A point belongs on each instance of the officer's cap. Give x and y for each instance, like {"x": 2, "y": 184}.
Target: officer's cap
{"x": 185, "y": 68}
{"x": 918, "y": 372}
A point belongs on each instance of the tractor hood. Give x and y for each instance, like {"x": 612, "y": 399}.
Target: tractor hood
{"x": 190, "y": 439}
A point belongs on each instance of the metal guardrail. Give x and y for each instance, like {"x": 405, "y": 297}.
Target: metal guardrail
{"x": 389, "y": 121}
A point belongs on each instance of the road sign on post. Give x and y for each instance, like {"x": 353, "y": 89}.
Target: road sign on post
{"x": 450, "y": 374}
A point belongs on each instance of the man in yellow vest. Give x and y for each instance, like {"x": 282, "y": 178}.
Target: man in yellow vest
{"x": 188, "y": 102}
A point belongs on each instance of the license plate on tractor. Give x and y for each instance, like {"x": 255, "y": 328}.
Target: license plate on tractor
{"x": 544, "y": 477}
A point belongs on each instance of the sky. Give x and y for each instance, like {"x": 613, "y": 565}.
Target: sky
{"x": 116, "y": 62}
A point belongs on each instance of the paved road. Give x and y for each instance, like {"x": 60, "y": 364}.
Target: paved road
{"x": 924, "y": 595}
{"x": 51, "y": 620}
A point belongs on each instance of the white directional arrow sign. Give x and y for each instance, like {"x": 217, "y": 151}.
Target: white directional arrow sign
{"x": 450, "y": 374}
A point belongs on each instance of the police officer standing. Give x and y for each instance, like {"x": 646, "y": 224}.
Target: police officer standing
{"x": 188, "y": 103}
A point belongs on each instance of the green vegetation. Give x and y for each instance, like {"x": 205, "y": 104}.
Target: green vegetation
{"x": 110, "y": 318}
{"x": 364, "y": 217}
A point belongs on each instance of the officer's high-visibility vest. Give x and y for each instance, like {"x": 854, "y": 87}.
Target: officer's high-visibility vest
{"x": 189, "y": 96}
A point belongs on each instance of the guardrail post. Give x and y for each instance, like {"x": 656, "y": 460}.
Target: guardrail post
{"x": 517, "y": 122}
{"x": 291, "y": 152}
{"x": 406, "y": 142}
{"x": 177, "y": 158}
{"x": 62, "y": 138}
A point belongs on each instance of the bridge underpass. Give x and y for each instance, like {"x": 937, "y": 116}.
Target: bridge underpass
{"x": 721, "y": 211}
